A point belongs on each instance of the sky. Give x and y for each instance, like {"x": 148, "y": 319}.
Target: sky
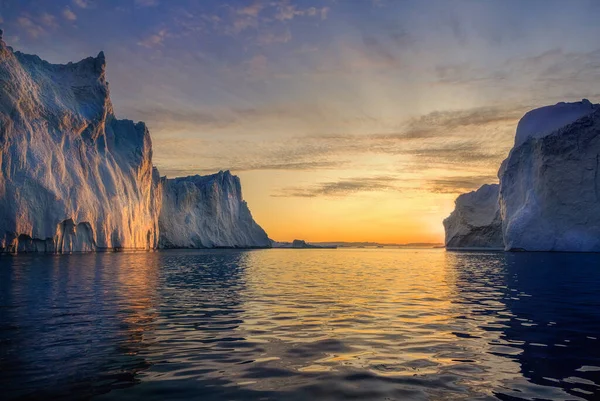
{"x": 346, "y": 120}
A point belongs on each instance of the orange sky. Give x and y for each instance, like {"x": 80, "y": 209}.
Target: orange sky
{"x": 346, "y": 120}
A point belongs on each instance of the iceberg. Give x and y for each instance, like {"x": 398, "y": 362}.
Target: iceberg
{"x": 74, "y": 178}
{"x": 475, "y": 222}
{"x": 206, "y": 212}
{"x": 550, "y": 184}
{"x": 548, "y": 198}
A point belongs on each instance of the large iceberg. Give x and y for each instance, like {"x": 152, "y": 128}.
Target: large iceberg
{"x": 475, "y": 222}
{"x": 550, "y": 183}
{"x": 207, "y": 211}
{"x": 74, "y": 178}
{"x": 549, "y": 193}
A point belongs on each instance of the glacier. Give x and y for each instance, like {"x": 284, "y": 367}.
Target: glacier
{"x": 475, "y": 222}
{"x": 206, "y": 212}
{"x": 74, "y": 178}
{"x": 549, "y": 193}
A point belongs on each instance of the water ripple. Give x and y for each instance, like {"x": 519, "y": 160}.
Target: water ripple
{"x": 298, "y": 324}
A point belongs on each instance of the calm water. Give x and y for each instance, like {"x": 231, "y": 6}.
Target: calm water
{"x": 300, "y": 324}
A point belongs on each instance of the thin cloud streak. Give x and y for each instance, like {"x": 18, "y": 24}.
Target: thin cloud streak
{"x": 340, "y": 188}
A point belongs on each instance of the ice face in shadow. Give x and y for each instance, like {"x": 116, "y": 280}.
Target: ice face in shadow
{"x": 207, "y": 211}
{"x": 549, "y": 196}
{"x": 475, "y": 222}
{"x": 550, "y": 184}
{"x": 72, "y": 176}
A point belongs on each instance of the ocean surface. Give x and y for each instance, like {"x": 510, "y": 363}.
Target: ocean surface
{"x": 308, "y": 324}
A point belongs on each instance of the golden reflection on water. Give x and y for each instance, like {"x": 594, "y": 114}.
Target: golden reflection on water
{"x": 285, "y": 324}
{"x": 395, "y": 313}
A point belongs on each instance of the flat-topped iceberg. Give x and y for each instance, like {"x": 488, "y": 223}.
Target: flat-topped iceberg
{"x": 207, "y": 211}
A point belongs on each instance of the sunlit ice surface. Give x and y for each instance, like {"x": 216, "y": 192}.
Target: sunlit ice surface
{"x": 286, "y": 324}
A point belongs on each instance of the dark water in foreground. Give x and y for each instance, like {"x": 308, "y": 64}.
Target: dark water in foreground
{"x": 300, "y": 324}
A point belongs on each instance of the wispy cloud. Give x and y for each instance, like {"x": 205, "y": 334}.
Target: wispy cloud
{"x": 82, "y": 3}
{"x": 287, "y": 11}
{"x": 252, "y": 10}
{"x": 270, "y": 37}
{"x": 342, "y": 187}
{"x": 32, "y": 28}
{"x": 244, "y": 167}
{"x": 460, "y": 184}
{"x": 48, "y": 20}
{"x": 154, "y": 40}
{"x": 474, "y": 140}
{"x": 146, "y": 3}
{"x": 69, "y": 15}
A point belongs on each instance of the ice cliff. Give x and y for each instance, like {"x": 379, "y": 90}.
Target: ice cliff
{"x": 550, "y": 183}
{"x": 207, "y": 211}
{"x": 75, "y": 178}
{"x": 72, "y": 176}
{"x": 475, "y": 222}
{"x": 549, "y": 193}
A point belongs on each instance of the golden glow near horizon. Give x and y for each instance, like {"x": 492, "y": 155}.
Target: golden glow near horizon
{"x": 346, "y": 121}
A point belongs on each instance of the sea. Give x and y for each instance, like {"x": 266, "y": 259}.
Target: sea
{"x": 300, "y": 324}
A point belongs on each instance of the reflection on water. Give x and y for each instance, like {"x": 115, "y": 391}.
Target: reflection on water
{"x": 299, "y": 324}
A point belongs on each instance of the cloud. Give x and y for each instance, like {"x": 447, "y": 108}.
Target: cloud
{"x": 257, "y": 65}
{"x": 270, "y": 37}
{"x": 376, "y": 49}
{"x": 342, "y": 187}
{"x": 287, "y": 11}
{"x": 252, "y": 10}
{"x": 432, "y": 124}
{"x": 33, "y": 29}
{"x": 154, "y": 40}
{"x": 454, "y": 185}
{"x": 69, "y": 15}
{"x": 48, "y": 20}
{"x": 544, "y": 75}
{"x": 146, "y": 3}
{"x": 82, "y": 3}
{"x": 472, "y": 141}
{"x": 242, "y": 167}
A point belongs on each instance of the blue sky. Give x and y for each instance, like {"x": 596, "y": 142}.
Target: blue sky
{"x": 371, "y": 114}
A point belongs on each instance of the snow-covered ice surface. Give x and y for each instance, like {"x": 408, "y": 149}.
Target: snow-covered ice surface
{"x": 550, "y": 184}
{"x": 207, "y": 211}
{"x": 74, "y": 178}
{"x": 475, "y": 222}
{"x": 545, "y": 120}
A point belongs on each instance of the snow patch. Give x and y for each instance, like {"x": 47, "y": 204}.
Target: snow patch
{"x": 543, "y": 121}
